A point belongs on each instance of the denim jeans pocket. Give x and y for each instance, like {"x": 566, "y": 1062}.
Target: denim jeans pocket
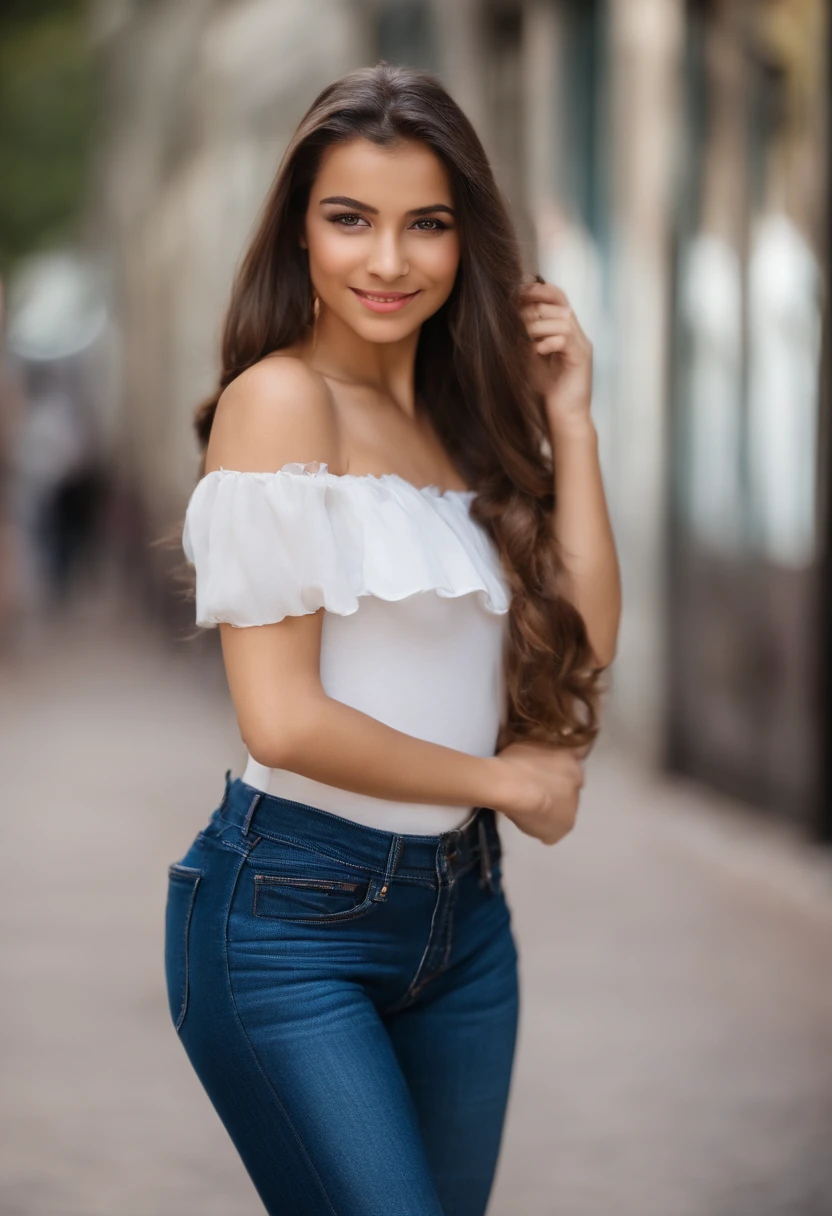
{"x": 183, "y": 882}
{"x": 299, "y": 884}
{"x": 306, "y": 898}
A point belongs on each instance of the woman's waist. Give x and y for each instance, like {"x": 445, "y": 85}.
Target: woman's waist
{"x": 417, "y": 818}
{"x": 262, "y": 818}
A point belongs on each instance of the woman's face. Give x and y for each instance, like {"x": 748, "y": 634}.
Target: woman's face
{"x": 380, "y": 224}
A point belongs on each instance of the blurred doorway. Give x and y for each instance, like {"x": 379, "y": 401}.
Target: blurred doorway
{"x": 746, "y": 548}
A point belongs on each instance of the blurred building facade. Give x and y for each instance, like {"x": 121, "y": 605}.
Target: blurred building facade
{"x": 667, "y": 165}
{"x": 748, "y": 476}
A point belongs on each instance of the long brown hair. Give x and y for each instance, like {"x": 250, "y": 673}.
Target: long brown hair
{"x": 472, "y": 372}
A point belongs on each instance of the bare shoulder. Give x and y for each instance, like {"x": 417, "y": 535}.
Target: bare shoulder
{"x": 276, "y": 411}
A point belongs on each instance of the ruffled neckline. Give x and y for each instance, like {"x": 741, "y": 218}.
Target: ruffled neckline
{"x": 319, "y": 468}
{"x": 287, "y": 542}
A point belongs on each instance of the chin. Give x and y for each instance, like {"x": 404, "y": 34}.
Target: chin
{"x": 383, "y": 329}
{"x": 387, "y": 333}
{"x": 388, "y": 327}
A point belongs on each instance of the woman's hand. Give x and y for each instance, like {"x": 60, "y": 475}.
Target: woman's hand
{"x": 545, "y": 784}
{"x": 561, "y": 355}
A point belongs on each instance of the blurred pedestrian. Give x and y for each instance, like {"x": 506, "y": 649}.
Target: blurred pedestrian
{"x": 51, "y": 449}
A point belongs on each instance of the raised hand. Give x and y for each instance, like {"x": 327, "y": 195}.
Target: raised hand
{"x": 561, "y": 354}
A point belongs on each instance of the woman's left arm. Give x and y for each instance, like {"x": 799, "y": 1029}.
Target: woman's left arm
{"x": 562, "y": 371}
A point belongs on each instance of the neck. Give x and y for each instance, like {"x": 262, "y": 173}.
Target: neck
{"x": 334, "y": 349}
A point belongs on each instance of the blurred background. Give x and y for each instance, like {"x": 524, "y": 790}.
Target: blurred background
{"x": 667, "y": 163}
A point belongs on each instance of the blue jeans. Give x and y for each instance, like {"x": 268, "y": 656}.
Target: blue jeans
{"x": 348, "y": 998}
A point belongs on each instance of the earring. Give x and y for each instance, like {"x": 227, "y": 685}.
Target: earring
{"x": 316, "y": 306}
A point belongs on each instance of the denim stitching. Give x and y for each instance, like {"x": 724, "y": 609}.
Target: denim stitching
{"x": 393, "y": 855}
{"x": 413, "y": 876}
{"x": 396, "y": 849}
{"x": 344, "y": 859}
{"x": 323, "y": 850}
{"x": 187, "y": 872}
{"x": 335, "y": 854}
{"x": 452, "y": 887}
{"x": 319, "y": 850}
{"x": 419, "y": 877}
{"x": 449, "y": 928}
{"x": 367, "y": 904}
{"x": 414, "y": 987}
{"x": 249, "y": 813}
{"x": 300, "y": 880}
{"x": 224, "y": 844}
{"x": 258, "y": 1062}
{"x": 366, "y": 827}
{"x": 451, "y": 905}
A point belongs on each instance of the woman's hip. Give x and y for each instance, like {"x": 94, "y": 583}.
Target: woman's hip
{"x": 286, "y": 896}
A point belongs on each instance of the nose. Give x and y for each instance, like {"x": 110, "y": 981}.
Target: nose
{"x": 387, "y": 260}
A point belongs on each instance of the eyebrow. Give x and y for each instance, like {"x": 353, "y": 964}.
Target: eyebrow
{"x": 353, "y": 202}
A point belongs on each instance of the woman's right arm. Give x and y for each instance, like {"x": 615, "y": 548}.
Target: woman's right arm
{"x": 280, "y": 412}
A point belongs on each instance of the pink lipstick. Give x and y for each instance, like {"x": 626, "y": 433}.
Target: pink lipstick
{"x": 384, "y": 301}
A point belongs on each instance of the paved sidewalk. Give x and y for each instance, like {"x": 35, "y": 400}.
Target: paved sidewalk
{"x": 675, "y": 1053}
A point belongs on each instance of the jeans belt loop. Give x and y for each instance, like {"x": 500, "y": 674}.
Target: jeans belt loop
{"x": 227, "y": 788}
{"x": 250, "y": 812}
{"x": 486, "y": 879}
{"x": 393, "y": 855}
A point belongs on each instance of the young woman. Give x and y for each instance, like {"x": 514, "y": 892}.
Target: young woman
{"x": 413, "y": 625}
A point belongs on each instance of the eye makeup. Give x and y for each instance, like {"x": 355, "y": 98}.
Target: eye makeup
{"x": 440, "y": 226}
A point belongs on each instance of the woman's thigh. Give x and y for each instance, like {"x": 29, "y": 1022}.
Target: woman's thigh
{"x": 342, "y": 1093}
{"x": 455, "y": 1045}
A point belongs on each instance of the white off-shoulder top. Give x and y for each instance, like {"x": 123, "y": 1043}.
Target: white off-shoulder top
{"x": 416, "y": 608}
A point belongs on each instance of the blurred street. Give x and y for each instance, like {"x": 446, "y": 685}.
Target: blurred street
{"x": 676, "y": 1038}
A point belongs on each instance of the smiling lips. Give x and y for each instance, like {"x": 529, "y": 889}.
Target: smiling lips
{"x": 390, "y": 301}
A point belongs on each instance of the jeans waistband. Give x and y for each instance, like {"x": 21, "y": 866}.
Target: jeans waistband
{"x": 268, "y": 815}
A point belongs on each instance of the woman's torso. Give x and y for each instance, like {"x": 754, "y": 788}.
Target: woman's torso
{"x": 421, "y": 647}
{"x": 429, "y": 666}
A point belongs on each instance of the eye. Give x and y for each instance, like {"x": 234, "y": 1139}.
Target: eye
{"x": 345, "y": 215}
{"x": 440, "y": 227}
